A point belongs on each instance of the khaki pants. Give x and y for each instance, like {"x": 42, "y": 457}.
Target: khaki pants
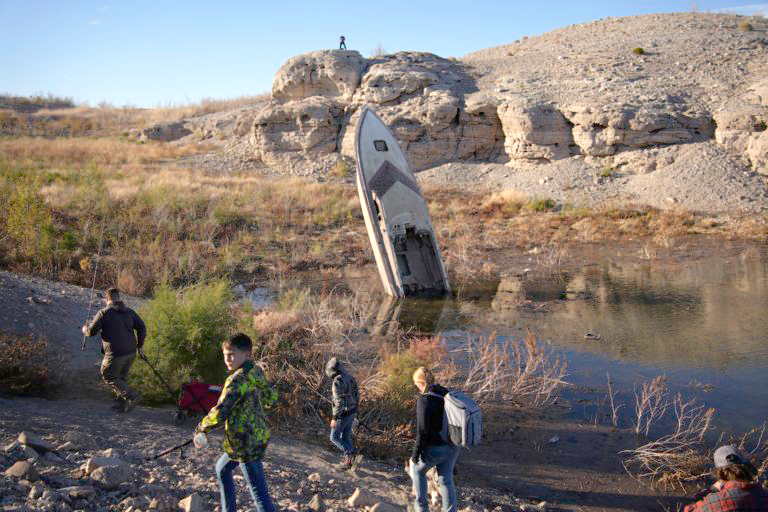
{"x": 114, "y": 372}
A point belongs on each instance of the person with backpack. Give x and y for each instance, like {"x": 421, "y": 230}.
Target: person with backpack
{"x": 432, "y": 447}
{"x": 122, "y": 334}
{"x": 344, "y": 399}
{"x": 241, "y": 409}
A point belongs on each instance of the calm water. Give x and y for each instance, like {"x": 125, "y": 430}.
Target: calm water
{"x": 704, "y": 325}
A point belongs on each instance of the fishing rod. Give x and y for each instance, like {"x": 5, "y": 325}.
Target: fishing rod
{"x": 93, "y": 284}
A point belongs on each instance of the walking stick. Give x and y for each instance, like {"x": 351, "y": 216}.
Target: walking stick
{"x": 170, "y": 450}
{"x": 157, "y": 374}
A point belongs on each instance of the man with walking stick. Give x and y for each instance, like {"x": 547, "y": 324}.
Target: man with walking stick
{"x": 117, "y": 324}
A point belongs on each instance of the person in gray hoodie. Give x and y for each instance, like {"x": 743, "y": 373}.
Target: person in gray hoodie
{"x": 117, "y": 324}
{"x": 345, "y": 399}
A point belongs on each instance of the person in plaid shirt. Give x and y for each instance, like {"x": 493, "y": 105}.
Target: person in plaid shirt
{"x": 735, "y": 489}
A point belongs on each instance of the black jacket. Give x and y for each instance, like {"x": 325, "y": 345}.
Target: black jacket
{"x": 429, "y": 420}
{"x": 117, "y": 322}
{"x": 345, "y": 395}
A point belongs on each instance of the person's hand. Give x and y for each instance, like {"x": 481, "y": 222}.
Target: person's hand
{"x": 333, "y": 423}
{"x": 718, "y": 485}
{"x": 141, "y": 353}
{"x": 84, "y": 328}
{"x": 200, "y": 440}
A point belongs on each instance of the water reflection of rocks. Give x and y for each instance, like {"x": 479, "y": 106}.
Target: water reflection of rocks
{"x": 711, "y": 313}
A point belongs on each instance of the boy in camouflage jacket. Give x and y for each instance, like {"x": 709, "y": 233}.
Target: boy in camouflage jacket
{"x": 246, "y": 433}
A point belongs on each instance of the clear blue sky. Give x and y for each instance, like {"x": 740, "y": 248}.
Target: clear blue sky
{"x": 154, "y": 53}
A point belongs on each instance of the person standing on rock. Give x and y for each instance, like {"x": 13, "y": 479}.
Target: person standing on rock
{"x": 240, "y": 409}
{"x": 429, "y": 448}
{"x": 117, "y": 324}
{"x": 344, "y": 399}
{"x": 342, "y": 43}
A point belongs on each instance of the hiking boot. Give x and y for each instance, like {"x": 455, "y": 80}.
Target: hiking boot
{"x": 129, "y": 404}
{"x": 346, "y": 462}
{"x": 119, "y": 405}
{"x": 356, "y": 460}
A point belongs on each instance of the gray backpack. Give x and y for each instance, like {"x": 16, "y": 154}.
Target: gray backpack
{"x": 462, "y": 419}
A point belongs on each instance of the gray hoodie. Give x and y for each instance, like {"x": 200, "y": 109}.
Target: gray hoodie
{"x": 117, "y": 323}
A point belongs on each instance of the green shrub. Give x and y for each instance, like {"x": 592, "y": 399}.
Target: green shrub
{"x": 185, "y": 329}
{"x": 27, "y": 219}
{"x": 638, "y": 51}
{"x": 397, "y": 368}
{"x": 606, "y": 172}
{"x": 538, "y": 204}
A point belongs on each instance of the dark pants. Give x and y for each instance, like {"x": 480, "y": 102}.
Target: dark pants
{"x": 342, "y": 45}
{"x": 114, "y": 372}
{"x": 254, "y": 478}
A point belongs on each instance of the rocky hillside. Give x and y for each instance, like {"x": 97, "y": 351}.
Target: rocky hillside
{"x": 620, "y": 96}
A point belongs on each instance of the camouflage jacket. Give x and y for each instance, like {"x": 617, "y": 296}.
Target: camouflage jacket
{"x": 241, "y": 408}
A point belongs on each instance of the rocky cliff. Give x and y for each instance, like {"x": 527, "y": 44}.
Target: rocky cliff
{"x": 594, "y": 91}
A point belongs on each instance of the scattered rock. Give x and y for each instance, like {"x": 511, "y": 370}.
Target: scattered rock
{"x": 383, "y": 506}
{"x": 362, "y": 498}
{"x": 23, "y": 469}
{"x": 97, "y": 462}
{"x": 40, "y": 445}
{"x": 110, "y": 477}
{"x": 316, "y": 503}
{"x": 193, "y": 503}
{"x": 81, "y": 440}
{"x": 554, "y": 439}
{"x": 163, "y": 504}
{"x": 79, "y": 491}
{"x": 66, "y": 447}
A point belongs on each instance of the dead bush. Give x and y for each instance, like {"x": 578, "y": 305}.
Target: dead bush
{"x": 23, "y": 365}
{"x": 678, "y": 457}
{"x": 136, "y": 279}
{"x": 514, "y": 370}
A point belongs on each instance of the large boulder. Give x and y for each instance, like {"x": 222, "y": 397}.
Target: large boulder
{"x": 331, "y": 73}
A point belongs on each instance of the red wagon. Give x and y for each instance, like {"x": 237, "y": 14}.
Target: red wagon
{"x": 195, "y": 398}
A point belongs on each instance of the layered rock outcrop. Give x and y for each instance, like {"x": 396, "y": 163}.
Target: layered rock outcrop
{"x": 553, "y": 97}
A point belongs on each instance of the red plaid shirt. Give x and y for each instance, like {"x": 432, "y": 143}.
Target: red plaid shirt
{"x": 734, "y": 496}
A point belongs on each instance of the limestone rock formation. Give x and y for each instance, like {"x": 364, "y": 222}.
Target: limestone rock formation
{"x": 333, "y": 73}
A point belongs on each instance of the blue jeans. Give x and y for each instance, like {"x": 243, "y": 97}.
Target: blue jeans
{"x": 341, "y": 435}
{"x": 444, "y": 457}
{"x": 254, "y": 477}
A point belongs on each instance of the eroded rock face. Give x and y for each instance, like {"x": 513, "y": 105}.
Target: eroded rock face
{"x": 537, "y": 132}
{"x": 284, "y": 135}
{"x": 742, "y": 127}
{"x": 332, "y": 73}
{"x": 603, "y": 130}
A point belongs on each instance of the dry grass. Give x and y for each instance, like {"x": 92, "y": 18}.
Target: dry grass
{"x": 107, "y": 120}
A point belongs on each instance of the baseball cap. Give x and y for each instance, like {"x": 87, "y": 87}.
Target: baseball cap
{"x": 726, "y": 455}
